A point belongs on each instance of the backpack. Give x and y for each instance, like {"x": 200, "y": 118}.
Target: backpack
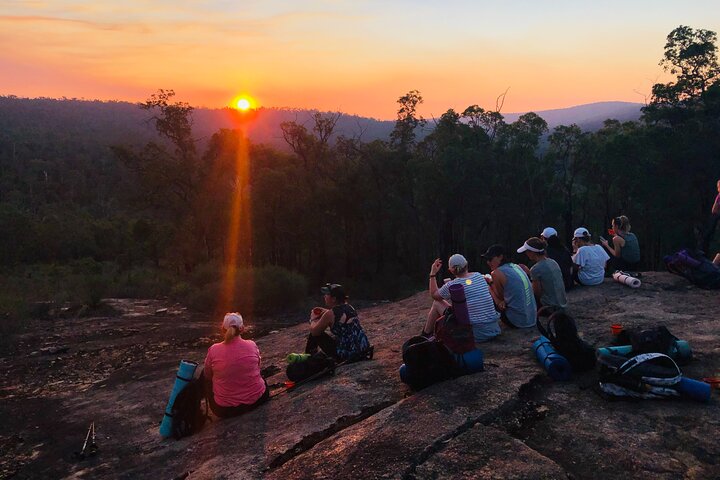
{"x": 695, "y": 267}
{"x": 352, "y": 342}
{"x": 187, "y": 413}
{"x": 648, "y": 375}
{"x": 459, "y": 338}
{"x": 316, "y": 363}
{"x": 427, "y": 362}
{"x": 561, "y": 330}
{"x": 652, "y": 340}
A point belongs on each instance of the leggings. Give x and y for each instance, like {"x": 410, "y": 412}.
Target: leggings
{"x": 326, "y": 343}
{"x": 226, "y": 412}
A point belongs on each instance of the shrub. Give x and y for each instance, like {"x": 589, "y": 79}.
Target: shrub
{"x": 261, "y": 290}
{"x": 205, "y": 298}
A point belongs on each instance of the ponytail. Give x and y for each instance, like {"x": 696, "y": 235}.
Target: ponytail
{"x": 623, "y": 223}
{"x": 231, "y": 333}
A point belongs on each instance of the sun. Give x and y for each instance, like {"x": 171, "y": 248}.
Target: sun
{"x": 244, "y": 103}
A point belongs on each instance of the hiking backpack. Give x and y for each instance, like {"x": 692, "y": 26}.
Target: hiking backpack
{"x": 695, "y": 267}
{"x": 561, "y": 330}
{"x": 648, "y": 375}
{"x": 426, "y": 362}
{"x": 652, "y": 340}
{"x": 187, "y": 413}
{"x": 459, "y": 338}
{"x": 316, "y": 363}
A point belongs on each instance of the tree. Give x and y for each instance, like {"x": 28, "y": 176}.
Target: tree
{"x": 568, "y": 152}
{"x": 690, "y": 55}
{"x": 403, "y": 136}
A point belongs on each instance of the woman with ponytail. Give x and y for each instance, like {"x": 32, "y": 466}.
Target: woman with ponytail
{"x": 232, "y": 369}
{"x": 625, "y": 248}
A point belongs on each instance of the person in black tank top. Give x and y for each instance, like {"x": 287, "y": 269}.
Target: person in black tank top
{"x": 558, "y": 252}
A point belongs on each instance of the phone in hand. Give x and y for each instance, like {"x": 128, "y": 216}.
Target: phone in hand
{"x": 602, "y": 239}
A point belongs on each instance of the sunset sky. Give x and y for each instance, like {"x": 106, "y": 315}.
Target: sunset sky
{"x": 352, "y": 56}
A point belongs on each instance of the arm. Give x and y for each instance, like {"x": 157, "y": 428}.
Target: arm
{"x": 716, "y": 206}
{"x": 318, "y": 326}
{"x": 207, "y": 371}
{"x": 618, "y": 243}
{"x": 497, "y": 289}
{"x": 433, "y": 288}
{"x": 537, "y": 287}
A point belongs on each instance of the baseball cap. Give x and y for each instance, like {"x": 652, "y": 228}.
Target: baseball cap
{"x": 334, "y": 290}
{"x": 494, "y": 251}
{"x": 581, "y": 232}
{"x": 548, "y": 232}
{"x": 533, "y": 244}
{"x": 233, "y": 319}
{"x": 457, "y": 260}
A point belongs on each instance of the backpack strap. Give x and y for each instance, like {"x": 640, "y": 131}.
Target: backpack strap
{"x": 645, "y": 357}
{"x": 545, "y": 312}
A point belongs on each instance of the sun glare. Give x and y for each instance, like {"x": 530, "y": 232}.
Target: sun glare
{"x": 243, "y": 103}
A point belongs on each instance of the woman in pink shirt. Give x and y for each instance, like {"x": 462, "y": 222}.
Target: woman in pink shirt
{"x": 232, "y": 368}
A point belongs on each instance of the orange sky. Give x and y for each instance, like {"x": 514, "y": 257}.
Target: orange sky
{"x": 355, "y": 57}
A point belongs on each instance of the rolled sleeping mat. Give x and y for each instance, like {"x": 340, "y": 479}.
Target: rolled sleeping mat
{"x": 404, "y": 374}
{"x": 185, "y": 374}
{"x": 693, "y": 389}
{"x": 554, "y": 364}
{"x": 622, "y": 350}
{"x": 625, "y": 279}
{"x": 680, "y": 349}
{"x": 459, "y": 303}
{"x": 470, "y": 362}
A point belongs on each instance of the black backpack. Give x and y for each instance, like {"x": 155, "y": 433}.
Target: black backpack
{"x": 427, "y": 362}
{"x": 316, "y": 363}
{"x": 648, "y": 375}
{"x": 187, "y": 414}
{"x": 561, "y": 330}
{"x": 657, "y": 339}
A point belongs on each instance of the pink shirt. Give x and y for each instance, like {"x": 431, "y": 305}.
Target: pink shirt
{"x": 234, "y": 369}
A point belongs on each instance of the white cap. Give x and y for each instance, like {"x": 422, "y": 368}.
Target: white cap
{"x": 581, "y": 232}
{"x": 549, "y": 232}
{"x": 232, "y": 320}
{"x": 457, "y": 260}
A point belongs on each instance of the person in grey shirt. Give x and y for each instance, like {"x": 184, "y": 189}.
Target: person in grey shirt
{"x": 546, "y": 276}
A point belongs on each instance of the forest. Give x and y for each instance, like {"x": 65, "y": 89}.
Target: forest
{"x": 154, "y": 214}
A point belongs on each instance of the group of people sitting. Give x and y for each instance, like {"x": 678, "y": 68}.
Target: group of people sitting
{"x": 510, "y": 296}
{"x": 232, "y": 367}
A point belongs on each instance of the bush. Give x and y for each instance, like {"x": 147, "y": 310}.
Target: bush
{"x": 205, "y": 298}
{"x": 142, "y": 282}
{"x": 262, "y": 290}
{"x": 277, "y": 288}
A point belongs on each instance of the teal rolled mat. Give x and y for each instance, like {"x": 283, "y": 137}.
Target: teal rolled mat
{"x": 554, "y": 364}
{"x": 679, "y": 350}
{"x": 185, "y": 373}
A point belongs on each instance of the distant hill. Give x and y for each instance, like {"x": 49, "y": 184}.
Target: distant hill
{"x": 84, "y": 122}
{"x": 589, "y": 116}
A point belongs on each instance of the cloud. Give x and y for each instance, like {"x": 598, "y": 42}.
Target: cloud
{"x": 35, "y": 20}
